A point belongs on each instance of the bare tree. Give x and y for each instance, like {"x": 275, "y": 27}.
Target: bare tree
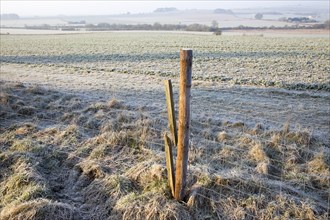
{"x": 215, "y": 24}
{"x": 258, "y": 16}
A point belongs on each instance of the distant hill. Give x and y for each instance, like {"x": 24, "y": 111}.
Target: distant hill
{"x": 158, "y": 10}
{"x": 172, "y": 17}
{"x": 222, "y": 11}
{"x": 9, "y": 16}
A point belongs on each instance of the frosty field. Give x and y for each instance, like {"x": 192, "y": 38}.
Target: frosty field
{"x": 82, "y": 119}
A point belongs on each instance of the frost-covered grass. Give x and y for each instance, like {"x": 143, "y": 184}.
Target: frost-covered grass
{"x": 295, "y": 63}
{"x": 73, "y": 158}
{"x": 89, "y": 143}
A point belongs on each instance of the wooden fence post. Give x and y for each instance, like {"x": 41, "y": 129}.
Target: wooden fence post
{"x": 169, "y": 162}
{"x": 170, "y": 110}
{"x": 184, "y": 123}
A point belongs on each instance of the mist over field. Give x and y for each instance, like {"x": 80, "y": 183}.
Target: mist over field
{"x": 227, "y": 13}
{"x": 69, "y": 8}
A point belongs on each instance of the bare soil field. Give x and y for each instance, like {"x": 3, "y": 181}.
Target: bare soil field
{"x": 82, "y": 120}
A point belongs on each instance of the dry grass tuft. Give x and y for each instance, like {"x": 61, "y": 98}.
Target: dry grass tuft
{"x": 257, "y": 129}
{"x": 47, "y": 135}
{"x": 245, "y": 141}
{"x": 264, "y": 168}
{"x": 70, "y": 135}
{"x": 276, "y": 139}
{"x": 201, "y": 204}
{"x": 302, "y": 138}
{"x": 95, "y": 107}
{"x": 91, "y": 169}
{"x": 157, "y": 172}
{"x": 149, "y": 206}
{"x": 150, "y": 176}
{"x": 237, "y": 124}
{"x": 319, "y": 167}
{"x": 222, "y": 136}
{"x": 99, "y": 151}
{"x": 41, "y": 209}
{"x": 226, "y": 153}
{"x": 24, "y": 145}
{"x": 257, "y": 153}
{"x": 25, "y": 129}
{"x": 146, "y": 172}
{"x": 114, "y": 103}
{"x": 112, "y": 187}
{"x": 102, "y": 195}
{"x": 286, "y": 128}
{"x": 102, "y": 145}
{"x": 4, "y": 98}
{"x": 207, "y": 134}
{"x": 284, "y": 137}
{"x": 282, "y": 207}
{"x": 23, "y": 185}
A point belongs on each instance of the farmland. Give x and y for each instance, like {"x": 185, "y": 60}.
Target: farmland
{"x": 83, "y": 116}
{"x": 239, "y": 60}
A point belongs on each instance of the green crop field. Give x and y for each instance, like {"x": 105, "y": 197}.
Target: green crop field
{"x": 82, "y": 118}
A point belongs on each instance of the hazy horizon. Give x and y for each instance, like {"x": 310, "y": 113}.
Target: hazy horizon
{"x": 71, "y": 8}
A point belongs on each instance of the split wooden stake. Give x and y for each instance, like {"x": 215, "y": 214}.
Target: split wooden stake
{"x": 169, "y": 162}
{"x": 170, "y": 110}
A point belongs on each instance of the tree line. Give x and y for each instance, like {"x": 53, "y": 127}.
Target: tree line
{"x": 156, "y": 26}
{"x": 214, "y": 27}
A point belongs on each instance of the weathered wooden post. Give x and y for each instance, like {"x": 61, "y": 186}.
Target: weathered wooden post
{"x": 184, "y": 123}
{"x": 169, "y": 163}
{"x": 168, "y": 142}
{"x": 170, "y": 110}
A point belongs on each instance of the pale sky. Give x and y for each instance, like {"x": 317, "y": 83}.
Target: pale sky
{"x": 52, "y": 7}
